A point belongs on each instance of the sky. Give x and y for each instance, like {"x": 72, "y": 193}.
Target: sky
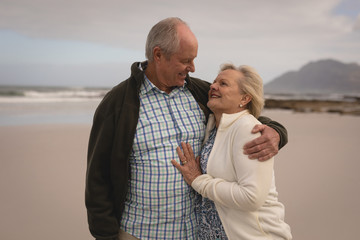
{"x": 92, "y": 43}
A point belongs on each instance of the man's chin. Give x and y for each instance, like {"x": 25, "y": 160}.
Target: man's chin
{"x": 180, "y": 82}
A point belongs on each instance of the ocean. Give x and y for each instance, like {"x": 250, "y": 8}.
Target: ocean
{"x": 48, "y": 105}
{"x": 21, "y": 105}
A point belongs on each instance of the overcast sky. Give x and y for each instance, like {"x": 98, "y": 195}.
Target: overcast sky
{"x": 93, "y": 42}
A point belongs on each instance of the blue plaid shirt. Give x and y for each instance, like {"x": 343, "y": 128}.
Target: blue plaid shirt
{"x": 159, "y": 204}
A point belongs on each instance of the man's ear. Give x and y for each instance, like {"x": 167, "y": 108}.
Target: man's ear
{"x": 157, "y": 54}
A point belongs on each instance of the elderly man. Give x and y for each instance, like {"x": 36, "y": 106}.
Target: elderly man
{"x": 132, "y": 189}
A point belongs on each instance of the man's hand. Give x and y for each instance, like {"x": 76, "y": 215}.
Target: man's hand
{"x": 265, "y": 146}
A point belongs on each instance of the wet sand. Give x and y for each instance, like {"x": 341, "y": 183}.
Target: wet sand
{"x": 42, "y": 178}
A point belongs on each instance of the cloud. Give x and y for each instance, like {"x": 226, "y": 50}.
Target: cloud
{"x": 127, "y": 22}
{"x": 94, "y": 75}
{"x": 357, "y": 24}
{"x": 273, "y": 36}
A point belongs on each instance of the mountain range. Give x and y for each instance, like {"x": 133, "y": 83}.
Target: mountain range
{"x": 319, "y": 77}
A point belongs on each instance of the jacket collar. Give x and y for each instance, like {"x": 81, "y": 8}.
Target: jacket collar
{"x": 138, "y": 71}
{"x": 228, "y": 119}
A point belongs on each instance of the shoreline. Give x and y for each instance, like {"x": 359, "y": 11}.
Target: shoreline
{"x": 345, "y": 107}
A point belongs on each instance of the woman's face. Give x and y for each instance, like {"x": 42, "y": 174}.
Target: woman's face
{"x": 224, "y": 94}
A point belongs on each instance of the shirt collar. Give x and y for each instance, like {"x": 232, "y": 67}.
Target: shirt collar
{"x": 148, "y": 86}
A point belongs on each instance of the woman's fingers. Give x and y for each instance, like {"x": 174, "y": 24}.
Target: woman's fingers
{"x": 191, "y": 153}
{"x": 180, "y": 154}
{"x": 188, "y": 152}
{"x": 197, "y": 160}
{"x": 189, "y": 169}
{"x": 176, "y": 164}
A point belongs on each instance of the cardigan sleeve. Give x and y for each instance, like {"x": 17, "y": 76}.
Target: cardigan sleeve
{"x": 253, "y": 179}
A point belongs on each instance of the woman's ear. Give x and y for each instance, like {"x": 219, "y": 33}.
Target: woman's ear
{"x": 246, "y": 99}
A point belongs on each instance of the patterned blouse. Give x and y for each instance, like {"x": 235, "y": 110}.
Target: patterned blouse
{"x": 209, "y": 223}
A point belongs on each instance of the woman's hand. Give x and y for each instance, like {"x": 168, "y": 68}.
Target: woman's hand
{"x": 190, "y": 167}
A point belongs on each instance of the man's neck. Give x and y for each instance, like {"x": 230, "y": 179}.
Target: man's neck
{"x": 150, "y": 73}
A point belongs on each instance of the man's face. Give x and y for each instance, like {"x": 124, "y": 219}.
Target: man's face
{"x": 172, "y": 72}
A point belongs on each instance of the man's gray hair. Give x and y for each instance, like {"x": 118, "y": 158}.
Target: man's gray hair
{"x": 163, "y": 35}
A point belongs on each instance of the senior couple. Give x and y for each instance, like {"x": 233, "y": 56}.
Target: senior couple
{"x": 174, "y": 157}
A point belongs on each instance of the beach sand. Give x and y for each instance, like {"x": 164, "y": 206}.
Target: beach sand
{"x": 42, "y": 178}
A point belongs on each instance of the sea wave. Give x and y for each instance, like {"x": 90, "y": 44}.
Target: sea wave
{"x": 49, "y": 94}
{"x": 20, "y": 94}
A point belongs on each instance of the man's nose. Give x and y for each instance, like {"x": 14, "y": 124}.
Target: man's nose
{"x": 191, "y": 67}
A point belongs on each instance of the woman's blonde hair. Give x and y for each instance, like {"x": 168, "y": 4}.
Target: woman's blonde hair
{"x": 250, "y": 84}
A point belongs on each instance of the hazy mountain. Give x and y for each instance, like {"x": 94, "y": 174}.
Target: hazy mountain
{"x": 324, "y": 76}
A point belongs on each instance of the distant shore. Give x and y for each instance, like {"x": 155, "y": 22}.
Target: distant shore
{"x": 347, "y": 106}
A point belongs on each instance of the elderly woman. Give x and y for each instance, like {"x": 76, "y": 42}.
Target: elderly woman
{"x": 239, "y": 198}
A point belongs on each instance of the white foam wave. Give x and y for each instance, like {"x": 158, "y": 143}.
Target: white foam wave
{"x": 55, "y": 96}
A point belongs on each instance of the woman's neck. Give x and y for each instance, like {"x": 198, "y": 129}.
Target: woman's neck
{"x": 217, "y": 119}
{"x": 218, "y": 116}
